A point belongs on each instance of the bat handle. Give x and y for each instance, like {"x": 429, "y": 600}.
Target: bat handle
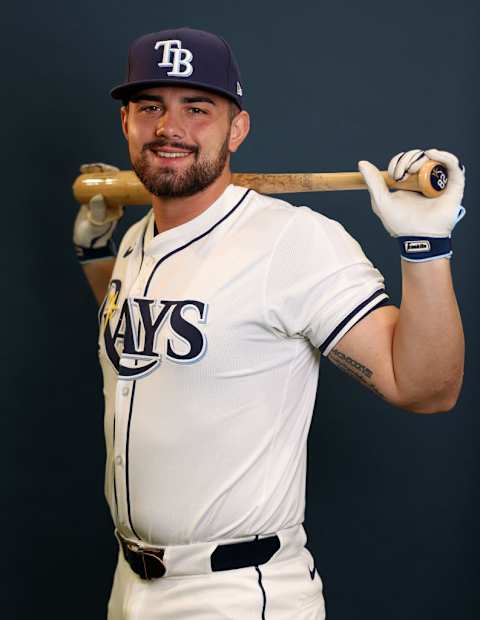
{"x": 432, "y": 179}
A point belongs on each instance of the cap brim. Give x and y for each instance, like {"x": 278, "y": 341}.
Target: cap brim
{"x": 126, "y": 90}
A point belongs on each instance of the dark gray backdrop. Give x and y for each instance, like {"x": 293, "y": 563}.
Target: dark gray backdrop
{"x": 392, "y": 497}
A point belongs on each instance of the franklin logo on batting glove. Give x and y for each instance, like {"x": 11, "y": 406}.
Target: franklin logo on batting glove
{"x": 417, "y": 246}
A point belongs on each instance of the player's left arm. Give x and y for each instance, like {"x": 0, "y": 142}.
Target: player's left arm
{"x": 92, "y": 236}
{"x": 413, "y": 356}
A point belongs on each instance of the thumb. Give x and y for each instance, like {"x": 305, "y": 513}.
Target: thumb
{"x": 97, "y": 210}
{"x": 375, "y": 182}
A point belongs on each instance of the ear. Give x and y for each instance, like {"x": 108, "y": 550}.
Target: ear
{"x": 238, "y": 130}
{"x": 124, "y": 119}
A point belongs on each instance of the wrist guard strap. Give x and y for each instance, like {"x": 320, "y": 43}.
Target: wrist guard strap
{"x": 419, "y": 249}
{"x": 88, "y": 255}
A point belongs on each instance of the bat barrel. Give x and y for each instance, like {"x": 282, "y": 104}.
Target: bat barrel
{"x": 122, "y": 187}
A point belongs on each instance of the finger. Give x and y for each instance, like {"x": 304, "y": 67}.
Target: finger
{"x": 90, "y": 168}
{"x": 101, "y": 212}
{"x": 416, "y": 162}
{"x": 393, "y": 163}
{"x": 97, "y": 167}
{"x": 108, "y": 167}
{"x": 375, "y": 182}
{"x": 401, "y": 169}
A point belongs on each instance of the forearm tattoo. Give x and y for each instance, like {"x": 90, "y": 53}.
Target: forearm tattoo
{"x": 354, "y": 369}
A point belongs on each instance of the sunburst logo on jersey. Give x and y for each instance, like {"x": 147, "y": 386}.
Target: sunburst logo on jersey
{"x": 110, "y": 305}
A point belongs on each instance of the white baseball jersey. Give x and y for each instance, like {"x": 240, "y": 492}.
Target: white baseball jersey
{"x": 210, "y": 344}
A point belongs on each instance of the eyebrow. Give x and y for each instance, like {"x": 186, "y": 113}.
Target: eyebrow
{"x": 159, "y": 99}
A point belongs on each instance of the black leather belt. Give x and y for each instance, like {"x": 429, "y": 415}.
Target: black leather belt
{"x": 147, "y": 562}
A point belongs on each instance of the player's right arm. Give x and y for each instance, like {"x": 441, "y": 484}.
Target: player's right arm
{"x": 98, "y": 274}
{"x": 92, "y": 237}
{"x": 414, "y": 355}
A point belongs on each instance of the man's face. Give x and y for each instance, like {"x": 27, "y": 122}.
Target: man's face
{"x": 179, "y": 139}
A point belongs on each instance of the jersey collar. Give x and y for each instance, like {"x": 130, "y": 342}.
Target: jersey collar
{"x": 174, "y": 237}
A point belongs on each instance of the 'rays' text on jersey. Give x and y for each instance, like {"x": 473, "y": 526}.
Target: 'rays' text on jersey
{"x": 131, "y": 332}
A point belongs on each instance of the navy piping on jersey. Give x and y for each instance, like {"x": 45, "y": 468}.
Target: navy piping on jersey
{"x": 162, "y": 260}
{"x": 129, "y": 416}
{"x": 261, "y": 587}
{"x": 207, "y": 232}
{"x": 341, "y": 325}
{"x": 263, "y": 591}
{"x": 127, "y": 460}
{"x": 128, "y": 442}
{"x": 143, "y": 246}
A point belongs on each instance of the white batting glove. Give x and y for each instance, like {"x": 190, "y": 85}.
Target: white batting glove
{"x": 95, "y": 223}
{"x": 422, "y": 225}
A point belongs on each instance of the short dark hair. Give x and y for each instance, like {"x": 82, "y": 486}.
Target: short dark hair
{"x": 233, "y": 110}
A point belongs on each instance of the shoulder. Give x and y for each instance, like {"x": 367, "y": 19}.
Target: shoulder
{"x": 297, "y": 223}
{"x": 135, "y": 233}
{"x": 278, "y": 214}
{"x": 262, "y": 204}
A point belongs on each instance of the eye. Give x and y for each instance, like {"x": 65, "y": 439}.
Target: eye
{"x": 197, "y": 111}
{"x": 150, "y": 108}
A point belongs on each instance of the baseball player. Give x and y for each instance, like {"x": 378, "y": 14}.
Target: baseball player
{"x": 212, "y": 326}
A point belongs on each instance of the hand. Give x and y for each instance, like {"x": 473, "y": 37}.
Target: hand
{"x": 422, "y": 225}
{"x": 95, "y": 222}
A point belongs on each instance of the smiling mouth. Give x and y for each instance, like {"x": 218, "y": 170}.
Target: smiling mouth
{"x": 170, "y": 152}
{"x": 170, "y": 155}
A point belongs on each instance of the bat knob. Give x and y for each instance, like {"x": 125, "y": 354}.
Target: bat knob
{"x": 432, "y": 179}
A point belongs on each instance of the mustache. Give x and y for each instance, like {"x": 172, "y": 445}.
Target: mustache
{"x": 174, "y": 145}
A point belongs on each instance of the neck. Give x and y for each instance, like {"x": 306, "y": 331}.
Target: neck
{"x": 172, "y": 212}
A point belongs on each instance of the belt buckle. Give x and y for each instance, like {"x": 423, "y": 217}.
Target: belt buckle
{"x": 156, "y": 566}
{"x": 151, "y": 560}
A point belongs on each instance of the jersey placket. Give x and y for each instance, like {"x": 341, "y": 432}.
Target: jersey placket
{"x": 124, "y": 402}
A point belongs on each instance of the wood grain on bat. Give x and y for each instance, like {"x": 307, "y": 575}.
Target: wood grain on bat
{"x": 125, "y": 188}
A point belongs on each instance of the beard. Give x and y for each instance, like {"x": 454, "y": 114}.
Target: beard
{"x": 170, "y": 183}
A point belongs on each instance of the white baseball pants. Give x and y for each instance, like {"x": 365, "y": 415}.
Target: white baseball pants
{"x": 281, "y": 589}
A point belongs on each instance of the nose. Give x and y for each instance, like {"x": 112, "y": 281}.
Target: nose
{"x": 169, "y": 125}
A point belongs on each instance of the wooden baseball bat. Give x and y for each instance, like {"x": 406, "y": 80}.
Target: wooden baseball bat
{"x": 125, "y": 188}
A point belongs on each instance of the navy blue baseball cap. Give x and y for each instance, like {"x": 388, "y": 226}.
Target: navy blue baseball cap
{"x": 183, "y": 56}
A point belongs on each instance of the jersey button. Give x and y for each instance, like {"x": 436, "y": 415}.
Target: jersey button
{"x": 118, "y": 460}
{"x": 125, "y": 391}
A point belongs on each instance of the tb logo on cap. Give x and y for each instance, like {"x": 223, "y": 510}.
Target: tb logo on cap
{"x": 176, "y": 57}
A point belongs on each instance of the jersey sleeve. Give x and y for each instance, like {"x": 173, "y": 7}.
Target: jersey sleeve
{"x": 319, "y": 282}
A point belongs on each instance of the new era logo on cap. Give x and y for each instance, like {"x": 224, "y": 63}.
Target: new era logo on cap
{"x": 176, "y": 57}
